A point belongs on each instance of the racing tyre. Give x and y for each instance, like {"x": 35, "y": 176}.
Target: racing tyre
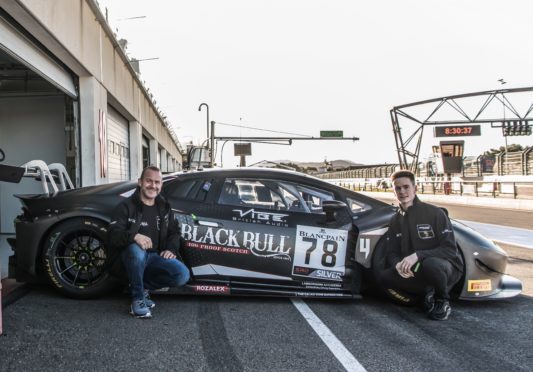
{"x": 379, "y": 264}
{"x": 75, "y": 258}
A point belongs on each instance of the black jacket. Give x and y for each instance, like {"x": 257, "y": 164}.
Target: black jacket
{"x": 424, "y": 229}
{"x": 126, "y": 220}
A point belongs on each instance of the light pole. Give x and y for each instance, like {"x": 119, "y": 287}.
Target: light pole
{"x": 210, "y": 151}
{"x": 212, "y": 144}
{"x": 502, "y": 82}
{"x": 207, "y": 109}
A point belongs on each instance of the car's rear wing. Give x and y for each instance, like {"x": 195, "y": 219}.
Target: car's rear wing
{"x": 50, "y": 175}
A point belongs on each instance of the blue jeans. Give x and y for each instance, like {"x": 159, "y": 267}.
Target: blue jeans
{"x": 151, "y": 271}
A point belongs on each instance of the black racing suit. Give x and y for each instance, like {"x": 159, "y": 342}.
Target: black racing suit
{"x": 426, "y": 230}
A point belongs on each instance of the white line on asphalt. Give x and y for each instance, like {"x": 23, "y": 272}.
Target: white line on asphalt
{"x": 337, "y": 348}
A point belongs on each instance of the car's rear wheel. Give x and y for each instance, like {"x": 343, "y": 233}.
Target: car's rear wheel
{"x": 379, "y": 264}
{"x": 75, "y": 258}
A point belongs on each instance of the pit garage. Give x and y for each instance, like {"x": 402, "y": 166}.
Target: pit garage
{"x": 69, "y": 95}
{"x": 38, "y": 112}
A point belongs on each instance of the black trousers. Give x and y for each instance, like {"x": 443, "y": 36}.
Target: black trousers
{"x": 433, "y": 274}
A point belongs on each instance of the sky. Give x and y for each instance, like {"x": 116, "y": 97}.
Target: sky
{"x": 302, "y": 66}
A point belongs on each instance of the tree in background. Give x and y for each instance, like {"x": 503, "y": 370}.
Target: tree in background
{"x": 510, "y": 148}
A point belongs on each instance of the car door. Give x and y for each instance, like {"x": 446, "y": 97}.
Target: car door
{"x": 272, "y": 229}
{"x": 192, "y": 200}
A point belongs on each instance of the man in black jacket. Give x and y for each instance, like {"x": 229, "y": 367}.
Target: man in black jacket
{"x": 421, "y": 250}
{"x": 145, "y": 232}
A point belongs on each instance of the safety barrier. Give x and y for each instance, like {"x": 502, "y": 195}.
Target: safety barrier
{"x": 514, "y": 190}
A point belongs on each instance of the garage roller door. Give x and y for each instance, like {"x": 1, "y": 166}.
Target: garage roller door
{"x": 118, "y": 146}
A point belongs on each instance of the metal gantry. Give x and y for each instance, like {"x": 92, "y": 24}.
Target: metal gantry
{"x": 493, "y": 108}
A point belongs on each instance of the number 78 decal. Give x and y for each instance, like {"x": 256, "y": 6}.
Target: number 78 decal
{"x": 320, "y": 252}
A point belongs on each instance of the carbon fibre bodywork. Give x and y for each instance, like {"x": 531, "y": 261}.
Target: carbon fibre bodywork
{"x": 285, "y": 234}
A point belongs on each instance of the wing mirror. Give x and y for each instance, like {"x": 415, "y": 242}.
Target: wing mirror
{"x": 331, "y": 207}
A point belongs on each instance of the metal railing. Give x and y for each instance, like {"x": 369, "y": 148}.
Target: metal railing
{"x": 514, "y": 190}
{"x": 501, "y": 164}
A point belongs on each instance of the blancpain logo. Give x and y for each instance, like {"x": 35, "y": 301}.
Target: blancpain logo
{"x": 322, "y": 235}
{"x": 268, "y": 218}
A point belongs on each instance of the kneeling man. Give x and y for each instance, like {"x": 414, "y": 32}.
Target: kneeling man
{"x": 421, "y": 249}
{"x": 143, "y": 228}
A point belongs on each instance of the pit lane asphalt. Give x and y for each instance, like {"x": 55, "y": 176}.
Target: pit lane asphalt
{"x": 47, "y": 332}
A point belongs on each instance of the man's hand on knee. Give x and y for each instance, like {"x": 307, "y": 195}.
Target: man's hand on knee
{"x": 143, "y": 241}
{"x": 404, "y": 266}
{"x": 167, "y": 254}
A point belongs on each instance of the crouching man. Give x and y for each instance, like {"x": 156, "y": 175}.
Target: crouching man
{"x": 147, "y": 237}
{"x": 421, "y": 250}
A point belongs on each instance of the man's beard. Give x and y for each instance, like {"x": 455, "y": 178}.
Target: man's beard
{"x": 146, "y": 192}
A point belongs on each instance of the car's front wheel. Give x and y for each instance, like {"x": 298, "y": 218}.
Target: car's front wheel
{"x": 379, "y": 264}
{"x": 75, "y": 258}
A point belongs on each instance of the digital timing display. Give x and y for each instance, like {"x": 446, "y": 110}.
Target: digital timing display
{"x": 457, "y": 131}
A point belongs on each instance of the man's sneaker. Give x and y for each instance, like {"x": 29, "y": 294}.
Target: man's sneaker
{"x": 147, "y": 300}
{"x": 441, "y": 311}
{"x": 139, "y": 309}
{"x": 429, "y": 302}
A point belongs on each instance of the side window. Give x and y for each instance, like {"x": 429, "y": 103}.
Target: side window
{"x": 355, "y": 206}
{"x": 311, "y": 198}
{"x": 252, "y": 193}
{"x": 273, "y": 194}
{"x": 230, "y": 193}
{"x": 203, "y": 190}
{"x": 180, "y": 190}
{"x": 190, "y": 189}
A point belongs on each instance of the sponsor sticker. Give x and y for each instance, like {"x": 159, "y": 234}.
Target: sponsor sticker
{"x": 267, "y": 218}
{"x": 398, "y": 296}
{"x": 425, "y": 231}
{"x": 211, "y": 288}
{"x": 236, "y": 241}
{"x": 217, "y": 248}
{"x": 483, "y": 285}
{"x": 320, "y": 253}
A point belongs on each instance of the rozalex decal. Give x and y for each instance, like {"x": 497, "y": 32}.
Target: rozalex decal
{"x": 211, "y": 288}
{"x": 259, "y": 244}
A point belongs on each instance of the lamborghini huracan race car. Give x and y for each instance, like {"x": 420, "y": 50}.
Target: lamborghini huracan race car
{"x": 244, "y": 232}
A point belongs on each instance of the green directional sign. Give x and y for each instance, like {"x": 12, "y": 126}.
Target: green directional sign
{"x": 331, "y": 134}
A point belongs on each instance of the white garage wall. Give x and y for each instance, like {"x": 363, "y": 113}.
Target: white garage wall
{"x": 30, "y": 128}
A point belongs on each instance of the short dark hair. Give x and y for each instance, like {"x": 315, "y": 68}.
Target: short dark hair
{"x": 403, "y": 173}
{"x": 149, "y": 168}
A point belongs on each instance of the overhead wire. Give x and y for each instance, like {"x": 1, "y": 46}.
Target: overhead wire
{"x": 264, "y": 130}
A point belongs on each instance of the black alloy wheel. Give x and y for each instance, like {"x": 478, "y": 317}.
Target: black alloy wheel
{"x": 76, "y": 258}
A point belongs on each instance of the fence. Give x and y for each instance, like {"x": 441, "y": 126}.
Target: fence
{"x": 502, "y": 164}
{"x": 514, "y": 190}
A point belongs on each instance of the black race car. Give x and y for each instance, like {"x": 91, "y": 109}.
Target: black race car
{"x": 245, "y": 232}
